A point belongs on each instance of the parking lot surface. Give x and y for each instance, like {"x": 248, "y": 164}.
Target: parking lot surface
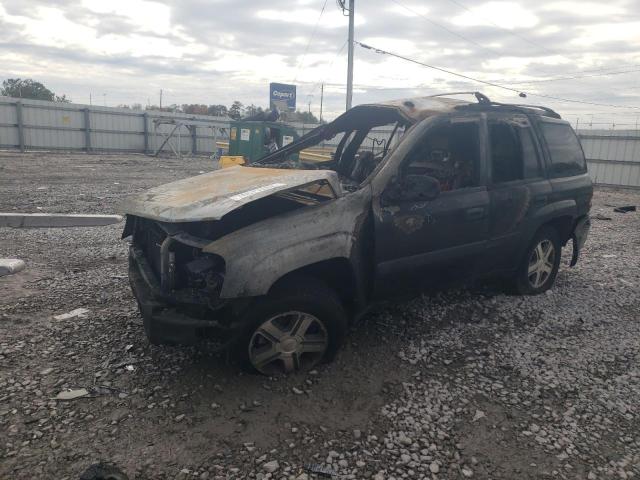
{"x": 466, "y": 383}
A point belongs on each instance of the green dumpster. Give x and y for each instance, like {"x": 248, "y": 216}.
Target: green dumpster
{"x": 254, "y": 139}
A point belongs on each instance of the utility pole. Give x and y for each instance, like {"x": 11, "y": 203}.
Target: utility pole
{"x": 90, "y": 99}
{"x": 309, "y": 99}
{"x": 321, "y": 99}
{"x": 350, "y": 55}
{"x": 160, "y": 99}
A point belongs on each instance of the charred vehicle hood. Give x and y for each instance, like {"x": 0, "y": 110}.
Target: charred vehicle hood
{"x": 213, "y": 195}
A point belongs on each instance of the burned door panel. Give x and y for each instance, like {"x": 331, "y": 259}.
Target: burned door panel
{"x": 412, "y": 229}
{"x": 424, "y": 240}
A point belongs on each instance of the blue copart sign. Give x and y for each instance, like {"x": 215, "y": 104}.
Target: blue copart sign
{"x": 281, "y": 94}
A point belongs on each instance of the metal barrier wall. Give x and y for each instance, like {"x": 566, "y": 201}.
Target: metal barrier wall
{"x": 613, "y": 156}
{"x": 38, "y": 125}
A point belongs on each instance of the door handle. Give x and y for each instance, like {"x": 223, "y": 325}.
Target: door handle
{"x": 475, "y": 213}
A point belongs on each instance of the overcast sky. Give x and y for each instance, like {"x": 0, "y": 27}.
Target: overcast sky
{"x": 217, "y": 51}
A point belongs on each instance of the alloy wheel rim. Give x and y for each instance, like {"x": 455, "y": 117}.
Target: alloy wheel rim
{"x": 541, "y": 263}
{"x": 288, "y": 342}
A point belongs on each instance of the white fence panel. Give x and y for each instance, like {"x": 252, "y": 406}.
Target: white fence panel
{"x": 34, "y": 124}
{"x": 613, "y": 156}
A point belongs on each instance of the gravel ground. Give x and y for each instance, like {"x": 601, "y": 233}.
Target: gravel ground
{"x": 462, "y": 384}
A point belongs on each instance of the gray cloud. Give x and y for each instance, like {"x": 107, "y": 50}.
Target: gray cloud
{"x": 224, "y": 27}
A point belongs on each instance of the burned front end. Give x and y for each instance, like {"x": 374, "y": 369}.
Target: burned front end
{"x": 176, "y": 284}
{"x": 184, "y": 267}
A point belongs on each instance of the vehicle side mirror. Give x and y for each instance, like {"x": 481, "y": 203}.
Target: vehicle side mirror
{"x": 414, "y": 188}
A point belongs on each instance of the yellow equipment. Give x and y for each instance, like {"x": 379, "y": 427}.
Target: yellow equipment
{"x": 231, "y": 160}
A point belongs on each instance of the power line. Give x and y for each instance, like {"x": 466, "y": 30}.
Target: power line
{"x": 315, "y": 85}
{"x": 557, "y": 79}
{"x": 531, "y": 42}
{"x": 313, "y": 34}
{"x": 515, "y": 34}
{"x": 632, "y": 65}
{"x": 583, "y": 102}
{"x": 422, "y": 87}
{"x": 449, "y": 31}
{"x": 384, "y": 52}
{"x": 485, "y": 82}
{"x": 466, "y": 39}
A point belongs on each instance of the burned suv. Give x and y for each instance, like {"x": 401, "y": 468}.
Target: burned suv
{"x": 277, "y": 258}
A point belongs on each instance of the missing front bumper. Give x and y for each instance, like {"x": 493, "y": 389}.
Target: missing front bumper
{"x": 165, "y": 320}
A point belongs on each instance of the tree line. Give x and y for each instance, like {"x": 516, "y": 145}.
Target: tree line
{"x": 236, "y": 111}
{"x": 28, "y": 88}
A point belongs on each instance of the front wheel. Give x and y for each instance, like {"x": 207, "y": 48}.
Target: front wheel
{"x": 293, "y": 329}
{"x": 539, "y": 268}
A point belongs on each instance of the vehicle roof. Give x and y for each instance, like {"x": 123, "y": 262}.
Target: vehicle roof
{"x": 419, "y": 108}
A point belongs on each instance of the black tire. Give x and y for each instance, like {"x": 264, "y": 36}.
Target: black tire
{"x": 299, "y": 294}
{"x": 528, "y": 283}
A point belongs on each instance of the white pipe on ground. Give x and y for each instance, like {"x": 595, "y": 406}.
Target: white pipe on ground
{"x": 55, "y": 220}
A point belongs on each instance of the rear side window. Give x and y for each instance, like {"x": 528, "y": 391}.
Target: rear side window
{"x": 566, "y": 154}
{"x": 513, "y": 152}
{"x": 529, "y": 153}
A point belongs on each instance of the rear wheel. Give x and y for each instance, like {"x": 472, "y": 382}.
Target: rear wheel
{"x": 539, "y": 268}
{"x": 293, "y": 329}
